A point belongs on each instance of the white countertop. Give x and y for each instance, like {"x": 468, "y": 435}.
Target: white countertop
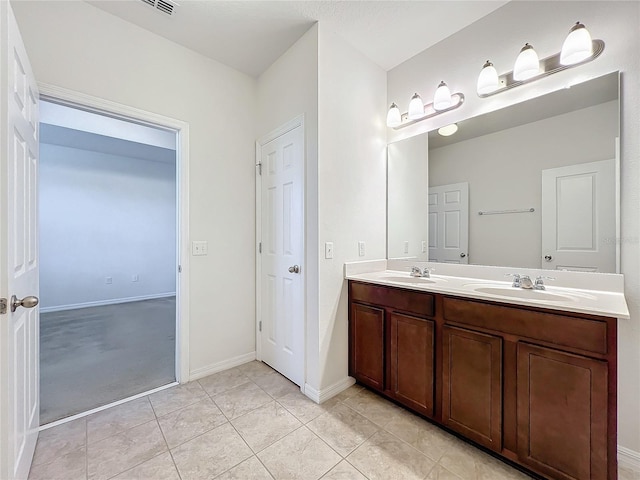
{"x": 608, "y": 300}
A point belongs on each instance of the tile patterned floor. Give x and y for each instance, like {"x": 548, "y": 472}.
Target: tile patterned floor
{"x": 250, "y": 423}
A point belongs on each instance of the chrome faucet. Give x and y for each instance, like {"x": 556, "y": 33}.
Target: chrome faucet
{"x": 418, "y": 272}
{"x": 516, "y": 279}
{"x": 540, "y": 282}
{"x": 525, "y": 282}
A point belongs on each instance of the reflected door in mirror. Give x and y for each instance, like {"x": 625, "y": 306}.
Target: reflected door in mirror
{"x": 449, "y": 223}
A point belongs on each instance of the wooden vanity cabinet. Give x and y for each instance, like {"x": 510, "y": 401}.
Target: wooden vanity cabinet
{"x": 391, "y": 340}
{"x": 536, "y": 386}
{"x": 472, "y": 385}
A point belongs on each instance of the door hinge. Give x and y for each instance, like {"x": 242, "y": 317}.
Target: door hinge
{"x": 260, "y": 326}
{"x": 259, "y": 165}
{"x": 3, "y": 306}
{"x": 260, "y": 247}
{"x": 179, "y": 268}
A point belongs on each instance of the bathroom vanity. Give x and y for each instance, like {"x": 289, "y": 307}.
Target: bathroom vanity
{"x": 530, "y": 379}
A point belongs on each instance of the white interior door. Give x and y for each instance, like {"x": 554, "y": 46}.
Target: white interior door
{"x": 449, "y": 223}
{"x": 19, "y": 383}
{"x": 281, "y": 311}
{"x": 579, "y": 217}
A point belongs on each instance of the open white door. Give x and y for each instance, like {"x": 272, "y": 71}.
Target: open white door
{"x": 579, "y": 217}
{"x": 281, "y": 272}
{"x": 449, "y": 223}
{"x": 19, "y": 325}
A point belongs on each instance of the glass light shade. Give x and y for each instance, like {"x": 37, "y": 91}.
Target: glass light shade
{"x": 416, "y": 107}
{"x": 393, "y": 116}
{"x": 448, "y": 130}
{"x": 527, "y": 64}
{"x": 577, "y": 46}
{"x": 442, "y": 98}
{"x": 488, "y": 79}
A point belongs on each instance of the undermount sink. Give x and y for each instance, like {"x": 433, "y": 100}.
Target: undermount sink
{"x": 524, "y": 294}
{"x": 409, "y": 279}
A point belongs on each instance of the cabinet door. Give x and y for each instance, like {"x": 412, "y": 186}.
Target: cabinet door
{"x": 412, "y": 354}
{"x": 472, "y": 385}
{"x": 367, "y": 345}
{"x": 562, "y": 413}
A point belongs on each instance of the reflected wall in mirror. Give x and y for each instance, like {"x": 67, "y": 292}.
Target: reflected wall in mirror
{"x": 533, "y": 185}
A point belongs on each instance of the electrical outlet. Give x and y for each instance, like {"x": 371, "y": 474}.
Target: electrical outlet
{"x": 328, "y": 250}
{"x": 424, "y": 246}
{"x": 406, "y": 247}
{"x": 199, "y": 247}
{"x": 361, "y": 249}
{"x": 108, "y": 280}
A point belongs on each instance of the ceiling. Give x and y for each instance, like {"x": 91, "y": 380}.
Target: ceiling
{"x": 249, "y": 35}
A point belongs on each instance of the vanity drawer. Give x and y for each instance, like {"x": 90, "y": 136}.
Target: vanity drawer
{"x": 586, "y": 334}
{"x": 399, "y": 299}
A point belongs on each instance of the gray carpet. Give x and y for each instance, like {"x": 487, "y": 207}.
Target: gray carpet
{"x": 94, "y": 356}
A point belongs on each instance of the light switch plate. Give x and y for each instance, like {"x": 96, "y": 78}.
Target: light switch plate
{"x": 328, "y": 250}
{"x": 199, "y": 247}
{"x": 424, "y": 246}
{"x": 361, "y": 249}
{"x": 406, "y": 247}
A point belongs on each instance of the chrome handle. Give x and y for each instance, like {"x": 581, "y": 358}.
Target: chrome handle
{"x": 294, "y": 269}
{"x": 548, "y": 258}
{"x": 462, "y": 255}
{"x": 26, "y": 302}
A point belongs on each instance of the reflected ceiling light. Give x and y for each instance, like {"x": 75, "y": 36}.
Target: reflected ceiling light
{"x": 578, "y": 45}
{"x": 527, "y": 64}
{"x": 488, "y": 80}
{"x": 393, "y": 116}
{"x": 578, "y": 48}
{"x": 442, "y": 98}
{"x": 416, "y": 107}
{"x": 448, "y": 130}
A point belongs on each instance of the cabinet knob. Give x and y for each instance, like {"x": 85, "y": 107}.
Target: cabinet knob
{"x": 462, "y": 255}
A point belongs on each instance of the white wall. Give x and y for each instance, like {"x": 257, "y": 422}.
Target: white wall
{"x": 499, "y": 36}
{"x": 407, "y": 197}
{"x": 104, "y": 216}
{"x": 79, "y": 47}
{"x": 504, "y": 171}
{"x": 351, "y": 184}
{"x": 289, "y": 88}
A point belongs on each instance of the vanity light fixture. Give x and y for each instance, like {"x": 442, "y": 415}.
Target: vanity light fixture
{"x": 448, "y": 130}
{"x": 443, "y": 101}
{"x": 527, "y": 64}
{"x": 488, "y": 80}
{"x": 578, "y": 45}
{"x": 416, "y": 107}
{"x": 578, "y": 48}
{"x": 393, "y": 117}
{"x": 442, "y": 98}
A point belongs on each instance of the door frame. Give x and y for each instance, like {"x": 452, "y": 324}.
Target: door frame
{"x": 99, "y": 105}
{"x": 295, "y": 122}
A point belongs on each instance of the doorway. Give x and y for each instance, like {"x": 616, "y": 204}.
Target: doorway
{"x": 108, "y": 259}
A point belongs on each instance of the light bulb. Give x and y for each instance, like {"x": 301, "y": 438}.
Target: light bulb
{"x": 488, "y": 79}
{"x": 577, "y": 46}
{"x": 527, "y": 64}
{"x": 442, "y": 97}
{"x": 393, "y": 116}
{"x": 416, "y": 107}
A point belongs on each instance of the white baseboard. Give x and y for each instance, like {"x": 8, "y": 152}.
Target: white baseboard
{"x": 324, "y": 394}
{"x": 101, "y": 303}
{"x": 628, "y": 459}
{"x": 220, "y": 366}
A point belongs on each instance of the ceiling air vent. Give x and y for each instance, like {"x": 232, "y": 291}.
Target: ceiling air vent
{"x": 164, "y": 6}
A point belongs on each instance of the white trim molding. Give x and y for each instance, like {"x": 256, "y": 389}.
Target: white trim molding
{"x": 102, "y": 303}
{"x": 324, "y": 394}
{"x": 628, "y": 459}
{"x": 221, "y": 366}
{"x": 119, "y": 110}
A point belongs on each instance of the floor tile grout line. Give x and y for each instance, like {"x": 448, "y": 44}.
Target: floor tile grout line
{"x": 357, "y": 469}
{"x": 136, "y": 465}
